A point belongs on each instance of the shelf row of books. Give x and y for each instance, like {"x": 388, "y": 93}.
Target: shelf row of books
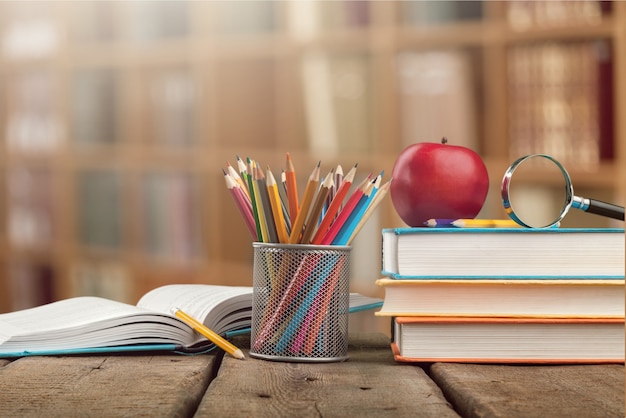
{"x": 504, "y": 295}
{"x": 35, "y": 29}
{"x": 560, "y": 100}
{"x": 26, "y": 284}
{"x": 170, "y": 202}
{"x": 526, "y": 14}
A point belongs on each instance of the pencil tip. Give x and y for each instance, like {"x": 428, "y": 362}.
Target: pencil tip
{"x": 238, "y": 354}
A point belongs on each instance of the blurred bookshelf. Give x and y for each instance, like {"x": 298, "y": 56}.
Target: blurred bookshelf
{"x": 117, "y": 117}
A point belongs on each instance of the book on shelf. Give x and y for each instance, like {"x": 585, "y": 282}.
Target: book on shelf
{"x": 99, "y": 208}
{"x": 171, "y": 220}
{"x": 580, "y": 298}
{"x": 30, "y": 208}
{"x": 508, "y": 340}
{"x": 550, "y": 253}
{"x": 28, "y": 284}
{"x": 87, "y": 324}
{"x": 33, "y": 125}
{"x": 337, "y": 99}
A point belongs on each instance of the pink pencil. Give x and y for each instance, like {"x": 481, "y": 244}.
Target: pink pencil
{"x": 242, "y": 202}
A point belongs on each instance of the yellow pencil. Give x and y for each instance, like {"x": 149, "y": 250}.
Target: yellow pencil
{"x": 210, "y": 335}
{"x": 277, "y": 210}
{"x": 485, "y": 223}
{"x": 309, "y": 192}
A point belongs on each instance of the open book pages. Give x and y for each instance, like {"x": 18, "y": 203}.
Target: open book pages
{"x": 91, "y": 324}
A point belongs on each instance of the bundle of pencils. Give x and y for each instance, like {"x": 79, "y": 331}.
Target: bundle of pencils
{"x": 330, "y": 212}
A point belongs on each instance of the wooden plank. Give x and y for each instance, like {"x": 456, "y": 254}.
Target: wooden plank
{"x": 368, "y": 384}
{"x": 124, "y": 385}
{"x": 533, "y": 391}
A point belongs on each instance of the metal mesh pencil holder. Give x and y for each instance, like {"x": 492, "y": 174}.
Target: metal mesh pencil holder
{"x": 300, "y": 302}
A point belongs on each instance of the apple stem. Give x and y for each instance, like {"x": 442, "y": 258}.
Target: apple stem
{"x": 444, "y": 140}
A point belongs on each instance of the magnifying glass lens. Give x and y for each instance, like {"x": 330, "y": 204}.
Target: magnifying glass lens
{"x": 538, "y": 206}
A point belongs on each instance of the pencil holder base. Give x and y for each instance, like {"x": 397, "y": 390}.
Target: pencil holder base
{"x": 300, "y": 302}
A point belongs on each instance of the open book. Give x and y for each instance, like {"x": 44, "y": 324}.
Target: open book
{"x": 96, "y": 325}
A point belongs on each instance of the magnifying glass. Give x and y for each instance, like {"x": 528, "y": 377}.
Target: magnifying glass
{"x": 527, "y": 210}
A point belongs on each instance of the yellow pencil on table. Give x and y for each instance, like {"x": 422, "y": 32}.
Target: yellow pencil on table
{"x": 209, "y": 334}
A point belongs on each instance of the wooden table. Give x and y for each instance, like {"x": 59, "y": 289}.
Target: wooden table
{"x": 369, "y": 384}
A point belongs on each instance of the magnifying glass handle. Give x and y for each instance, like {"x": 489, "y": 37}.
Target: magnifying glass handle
{"x": 599, "y": 208}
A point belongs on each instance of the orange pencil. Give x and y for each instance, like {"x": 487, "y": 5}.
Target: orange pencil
{"x": 309, "y": 193}
{"x": 292, "y": 189}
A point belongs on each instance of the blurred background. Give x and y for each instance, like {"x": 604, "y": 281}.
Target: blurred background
{"x": 117, "y": 118}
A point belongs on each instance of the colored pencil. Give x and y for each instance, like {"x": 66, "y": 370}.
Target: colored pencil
{"x": 345, "y": 212}
{"x": 471, "y": 223}
{"x": 208, "y": 333}
{"x": 264, "y": 237}
{"x": 235, "y": 175}
{"x": 292, "y": 189}
{"x": 312, "y": 219}
{"x": 382, "y": 192}
{"x": 335, "y": 206}
{"x": 266, "y": 207}
{"x": 346, "y": 230}
{"x": 253, "y": 202}
{"x": 337, "y": 182}
{"x": 309, "y": 193}
{"x": 242, "y": 202}
{"x": 283, "y": 199}
{"x": 277, "y": 209}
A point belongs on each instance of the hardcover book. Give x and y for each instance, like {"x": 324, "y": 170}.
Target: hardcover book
{"x": 579, "y": 298}
{"x": 97, "y": 325}
{"x": 503, "y": 252}
{"x": 508, "y": 340}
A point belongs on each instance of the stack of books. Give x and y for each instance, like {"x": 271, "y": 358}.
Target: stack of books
{"x": 504, "y": 295}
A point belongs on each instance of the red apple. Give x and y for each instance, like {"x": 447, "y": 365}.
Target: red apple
{"x": 438, "y": 180}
